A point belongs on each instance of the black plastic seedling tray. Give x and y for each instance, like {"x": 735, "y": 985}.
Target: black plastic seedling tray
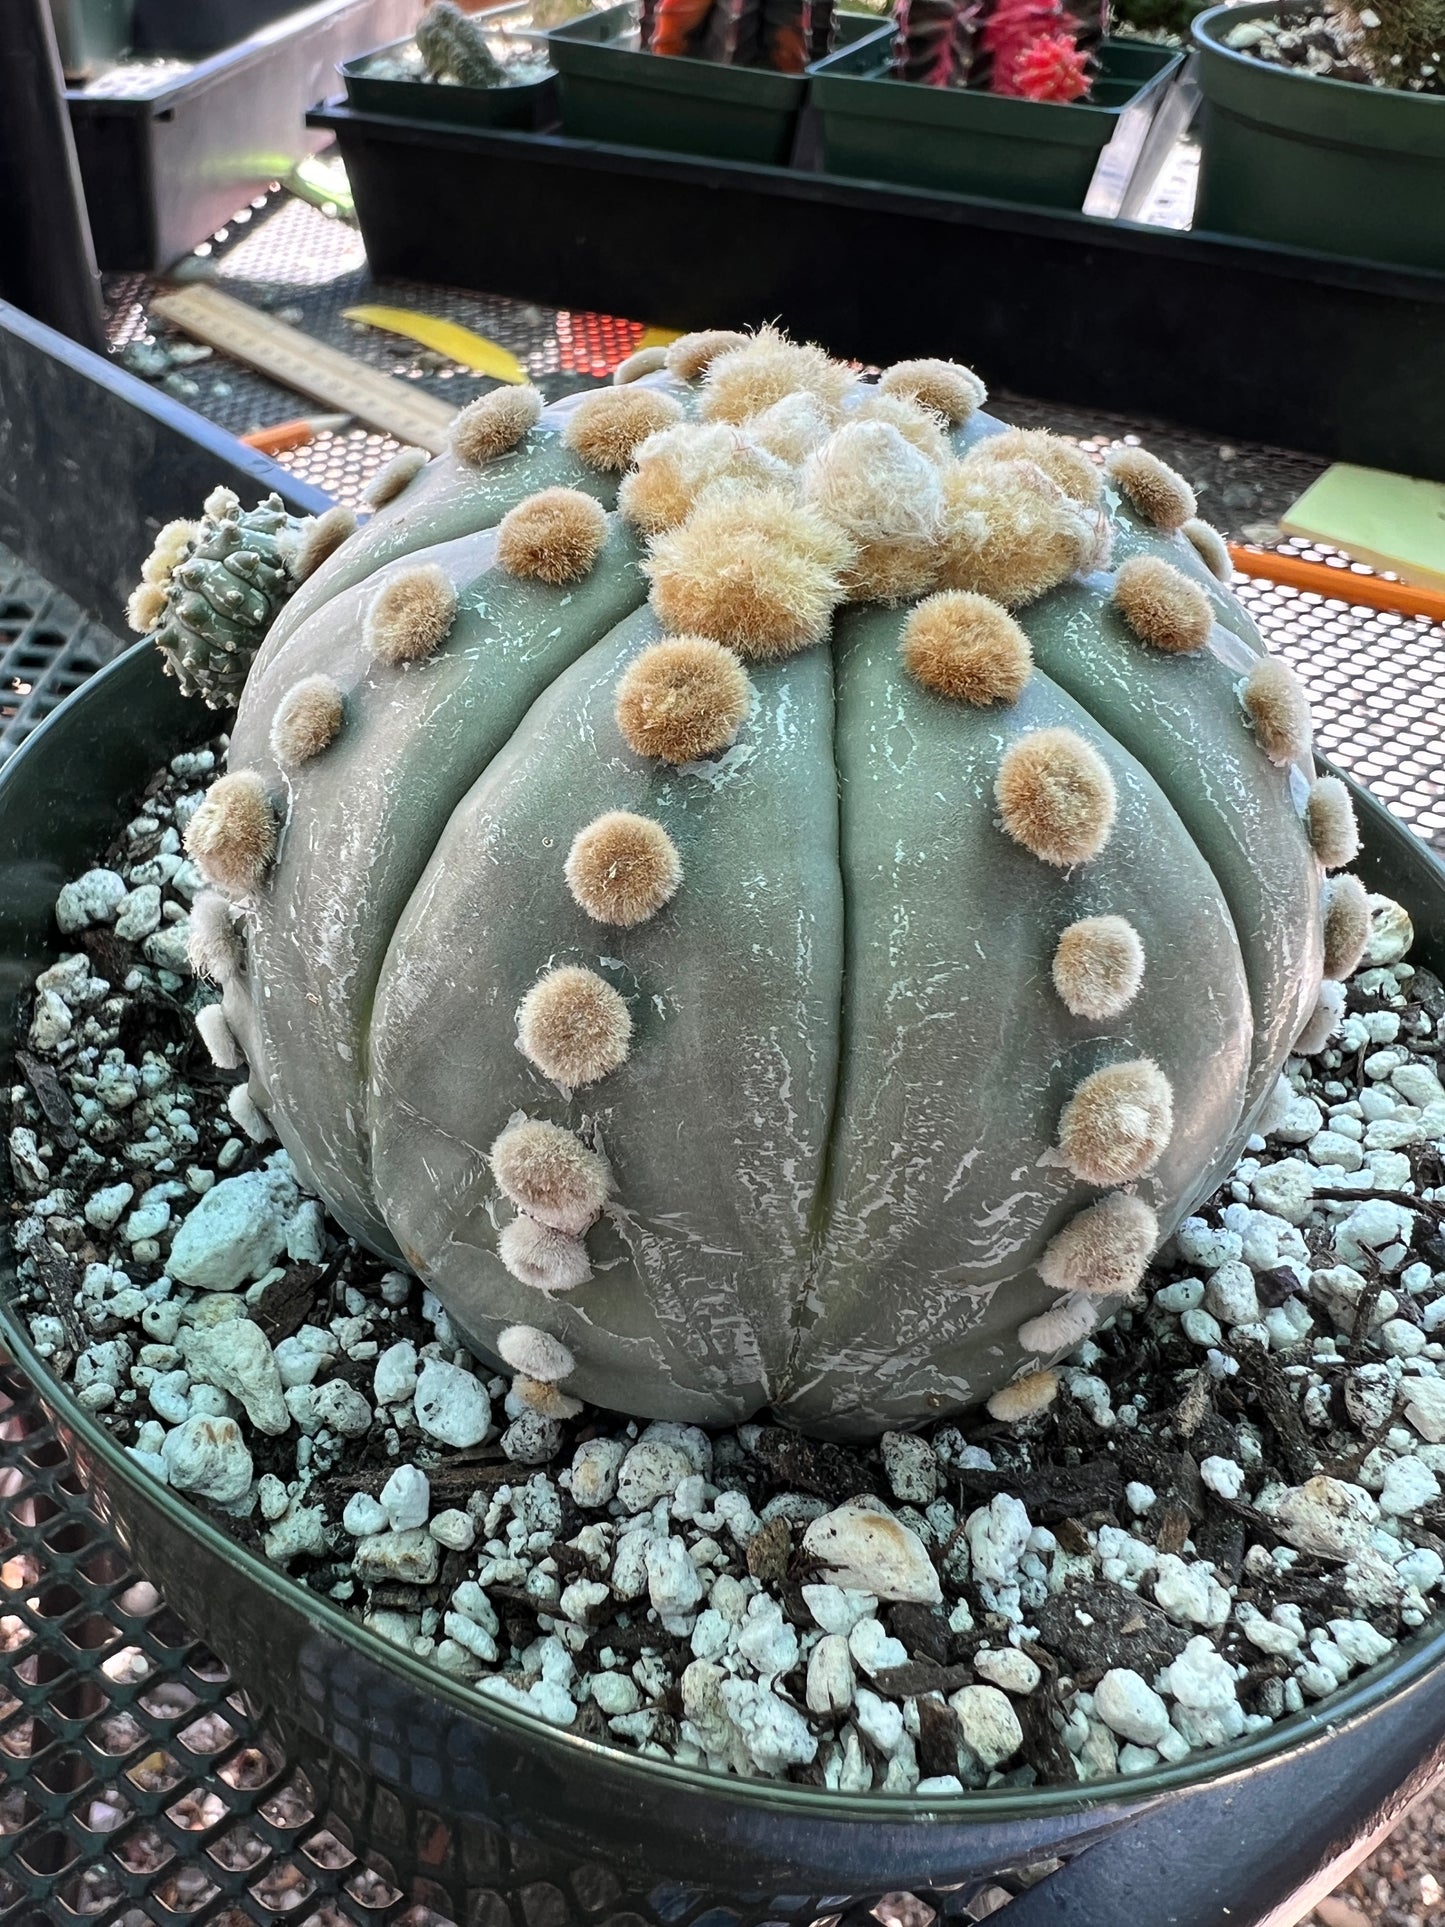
{"x": 167, "y": 161}
{"x": 1231, "y": 337}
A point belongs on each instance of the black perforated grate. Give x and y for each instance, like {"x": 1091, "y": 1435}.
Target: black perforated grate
{"x": 48, "y": 647}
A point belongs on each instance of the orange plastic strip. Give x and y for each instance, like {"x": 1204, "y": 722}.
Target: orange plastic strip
{"x": 1373, "y": 591}
{"x": 281, "y": 436}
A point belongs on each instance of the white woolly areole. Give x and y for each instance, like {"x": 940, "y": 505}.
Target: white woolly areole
{"x": 642, "y": 361}
{"x": 218, "y": 1037}
{"x": 1322, "y": 1021}
{"x": 535, "y": 1354}
{"x": 792, "y": 428}
{"x": 245, "y": 1112}
{"x": 1025, "y": 1397}
{"x": 1277, "y": 1106}
{"x": 1059, "y": 1328}
{"x": 212, "y": 944}
{"x": 545, "y": 1259}
{"x": 874, "y": 484}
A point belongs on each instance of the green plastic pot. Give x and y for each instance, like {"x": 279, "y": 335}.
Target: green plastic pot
{"x": 528, "y": 104}
{"x": 91, "y": 33}
{"x": 955, "y": 141}
{"x": 501, "y": 1818}
{"x": 1311, "y": 163}
{"x": 613, "y": 91}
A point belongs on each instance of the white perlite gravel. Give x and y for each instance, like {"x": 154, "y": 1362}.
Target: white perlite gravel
{"x": 1234, "y": 1504}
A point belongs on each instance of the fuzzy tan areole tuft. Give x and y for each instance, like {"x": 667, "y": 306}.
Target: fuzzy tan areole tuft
{"x": 232, "y": 835}
{"x": 623, "y": 868}
{"x": 1330, "y": 821}
{"x": 545, "y": 1259}
{"x": 1104, "y": 1251}
{"x": 1118, "y": 1123}
{"x": 967, "y": 649}
{"x": 1155, "y": 490}
{"x": 1098, "y": 967}
{"x": 146, "y": 608}
{"x": 1060, "y": 1327}
{"x": 308, "y": 720}
{"x": 574, "y": 1026}
{"x": 683, "y": 699}
{"x": 550, "y": 1401}
{"x": 1162, "y": 606}
{"x": 753, "y": 570}
{"x": 1346, "y": 907}
{"x": 494, "y": 425}
{"x": 218, "y": 1037}
{"x": 554, "y": 536}
{"x": 642, "y": 361}
{"x": 393, "y": 480}
{"x": 887, "y": 499}
{"x": 918, "y": 425}
{"x": 607, "y": 428}
{"x": 677, "y": 464}
{"x": 1065, "y": 465}
{"x": 1276, "y": 704}
{"x": 410, "y": 616}
{"x": 1211, "y": 548}
{"x": 947, "y": 387}
{"x": 689, "y": 356}
{"x": 1024, "y": 1398}
{"x": 743, "y": 381}
{"x": 535, "y": 1353}
{"x": 1323, "y": 1020}
{"x": 213, "y": 944}
{"x": 1010, "y": 533}
{"x": 320, "y": 538}
{"x": 1056, "y": 796}
{"x": 792, "y": 429}
{"x": 550, "y": 1174}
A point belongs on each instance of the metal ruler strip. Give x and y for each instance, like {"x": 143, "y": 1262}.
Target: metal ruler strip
{"x": 294, "y": 360}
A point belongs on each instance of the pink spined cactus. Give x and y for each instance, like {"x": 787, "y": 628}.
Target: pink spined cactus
{"x": 1009, "y": 28}
{"x": 1049, "y": 67}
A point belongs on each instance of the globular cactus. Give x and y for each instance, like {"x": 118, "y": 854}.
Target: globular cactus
{"x": 210, "y": 589}
{"x": 453, "y": 47}
{"x": 793, "y": 940}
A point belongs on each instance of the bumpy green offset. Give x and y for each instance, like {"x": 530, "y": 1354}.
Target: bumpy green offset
{"x": 212, "y": 588}
{"x": 797, "y": 939}
{"x": 454, "y": 48}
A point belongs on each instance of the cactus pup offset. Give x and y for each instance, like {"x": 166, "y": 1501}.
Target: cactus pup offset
{"x": 768, "y": 890}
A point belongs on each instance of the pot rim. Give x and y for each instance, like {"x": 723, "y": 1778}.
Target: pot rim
{"x": 1311, "y": 1728}
{"x": 1204, "y": 27}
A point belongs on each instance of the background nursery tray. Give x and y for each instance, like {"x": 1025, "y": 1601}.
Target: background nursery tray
{"x": 613, "y": 91}
{"x": 167, "y": 154}
{"x": 959, "y": 140}
{"x": 1274, "y": 345}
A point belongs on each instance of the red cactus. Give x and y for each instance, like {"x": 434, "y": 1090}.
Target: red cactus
{"x": 1050, "y": 67}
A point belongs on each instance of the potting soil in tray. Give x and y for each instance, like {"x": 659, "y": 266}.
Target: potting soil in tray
{"x": 1233, "y": 1503}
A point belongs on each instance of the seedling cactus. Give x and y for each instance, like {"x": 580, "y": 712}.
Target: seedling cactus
{"x": 796, "y": 940}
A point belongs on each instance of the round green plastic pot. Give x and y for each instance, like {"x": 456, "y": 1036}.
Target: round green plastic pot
{"x": 494, "y": 1809}
{"x": 1331, "y": 165}
{"x": 526, "y": 104}
{"x": 614, "y": 91}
